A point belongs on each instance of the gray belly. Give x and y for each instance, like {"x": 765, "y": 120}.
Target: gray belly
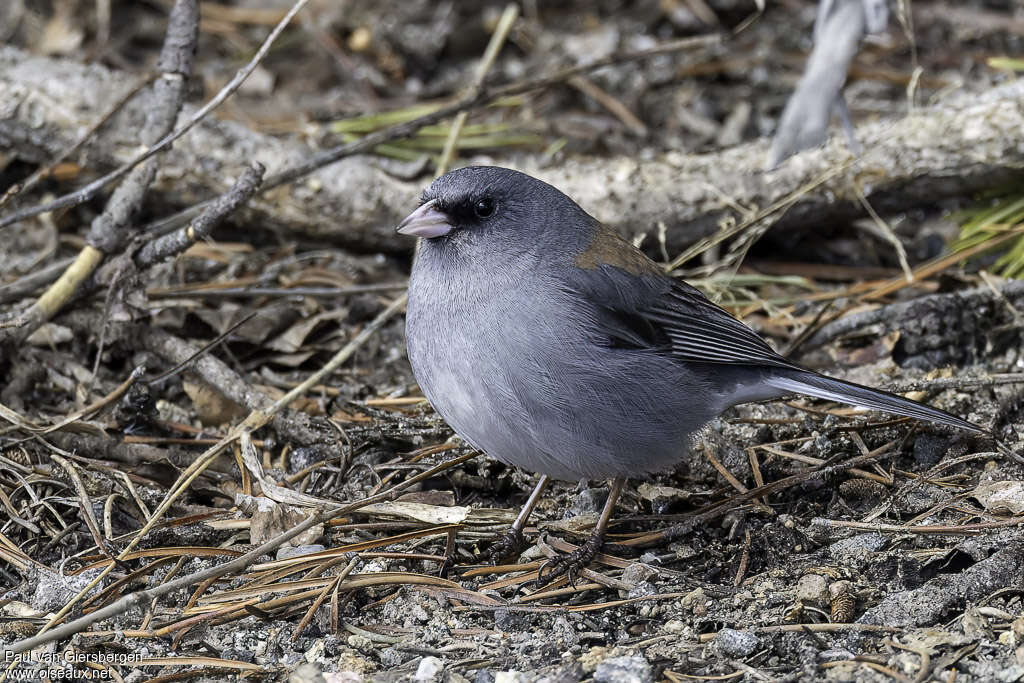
{"x": 552, "y": 400}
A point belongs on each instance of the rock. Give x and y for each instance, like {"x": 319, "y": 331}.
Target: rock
{"x": 510, "y": 677}
{"x": 857, "y": 547}
{"x": 929, "y": 449}
{"x": 506, "y": 620}
{"x": 306, "y": 673}
{"x": 572, "y": 673}
{"x": 429, "y": 670}
{"x": 633, "y": 669}
{"x": 662, "y": 498}
{"x": 739, "y": 644}
{"x": 54, "y": 590}
{"x": 343, "y": 677}
{"x": 812, "y": 588}
{"x": 635, "y": 572}
{"x": 675, "y": 626}
{"x": 589, "y": 502}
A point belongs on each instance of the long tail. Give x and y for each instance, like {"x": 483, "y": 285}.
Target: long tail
{"x": 830, "y": 389}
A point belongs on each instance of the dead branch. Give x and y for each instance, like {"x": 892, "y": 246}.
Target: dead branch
{"x": 935, "y": 599}
{"x": 896, "y": 316}
{"x": 966, "y": 142}
{"x": 112, "y": 229}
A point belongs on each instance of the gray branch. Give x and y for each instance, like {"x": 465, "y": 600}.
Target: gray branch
{"x": 964, "y": 143}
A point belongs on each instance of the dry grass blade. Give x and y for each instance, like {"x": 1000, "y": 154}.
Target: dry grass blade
{"x": 328, "y": 590}
{"x": 85, "y": 505}
{"x": 501, "y": 31}
{"x": 201, "y": 661}
{"x": 941, "y": 529}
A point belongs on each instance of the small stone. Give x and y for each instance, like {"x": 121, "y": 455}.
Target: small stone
{"x": 733, "y": 643}
{"x": 343, "y": 677}
{"x": 54, "y": 590}
{"x": 506, "y": 620}
{"x": 306, "y": 673}
{"x": 633, "y": 669}
{"x": 360, "y": 39}
{"x": 636, "y": 572}
{"x": 693, "y": 599}
{"x": 359, "y": 642}
{"x": 592, "y": 657}
{"x": 589, "y": 502}
{"x": 812, "y": 588}
{"x": 392, "y": 658}
{"x": 857, "y": 547}
{"x": 429, "y": 670}
{"x": 929, "y": 448}
{"x": 641, "y": 590}
{"x": 571, "y": 673}
{"x": 675, "y": 626}
{"x": 484, "y": 676}
{"x": 509, "y": 677}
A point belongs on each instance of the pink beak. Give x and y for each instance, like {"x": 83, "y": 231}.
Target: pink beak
{"x": 427, "y": 221}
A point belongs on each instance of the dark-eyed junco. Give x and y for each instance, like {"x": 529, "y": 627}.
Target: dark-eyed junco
{"x": 550, "y": 343}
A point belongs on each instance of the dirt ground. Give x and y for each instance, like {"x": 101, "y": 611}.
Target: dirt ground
{"x": 798, "y": 541}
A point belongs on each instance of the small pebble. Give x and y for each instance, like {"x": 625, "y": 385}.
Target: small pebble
{"x": 429, "y": 670}
{"x": 733, "y": 643}
{"x": 633, "y": 669}
{"x": 306, "y": 673}
{"x": 812, "y": 588}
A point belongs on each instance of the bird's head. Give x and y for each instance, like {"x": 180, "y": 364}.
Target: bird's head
{"x": 491, "y": 205}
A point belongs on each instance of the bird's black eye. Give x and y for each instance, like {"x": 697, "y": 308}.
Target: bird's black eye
{"x": 484, "y": 207}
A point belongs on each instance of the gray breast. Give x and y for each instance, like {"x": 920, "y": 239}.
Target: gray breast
{"x": 522, "y": 377}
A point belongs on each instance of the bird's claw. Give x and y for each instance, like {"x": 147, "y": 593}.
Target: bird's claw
{"x": 508, "y": 544}
{"x": 568, "y": 565}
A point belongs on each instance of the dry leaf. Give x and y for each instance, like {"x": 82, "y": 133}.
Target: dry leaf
{"x": 431, "y": 514}
{"x": 212, "y": 407}
{"x": 270, "y": 520}
{"x": 1001, "y": 496}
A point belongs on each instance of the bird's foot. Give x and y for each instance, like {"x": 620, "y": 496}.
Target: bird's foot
{"x": 568, "y": 565}
{"x": 506, "y": 545}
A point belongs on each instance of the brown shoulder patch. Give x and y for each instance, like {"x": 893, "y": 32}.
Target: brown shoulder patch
{"x": 607, "y": 248}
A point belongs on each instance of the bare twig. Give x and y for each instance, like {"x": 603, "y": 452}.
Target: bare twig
{"x": 508, "y": 17}
{"x": 110, "y": 230}
{"x": 175, "y": 243}
{"x": 92, "y": 189}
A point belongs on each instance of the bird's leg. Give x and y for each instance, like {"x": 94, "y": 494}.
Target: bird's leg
{"x": 578, "y": 559}
{"x": 511, "y": 542}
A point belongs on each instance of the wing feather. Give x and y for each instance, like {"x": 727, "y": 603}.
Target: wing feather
{"x": 702, "y": 332}
{"x": 643, "y": 308}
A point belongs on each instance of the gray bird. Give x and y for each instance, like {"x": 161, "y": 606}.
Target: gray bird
{"x": 548, "y": 342}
